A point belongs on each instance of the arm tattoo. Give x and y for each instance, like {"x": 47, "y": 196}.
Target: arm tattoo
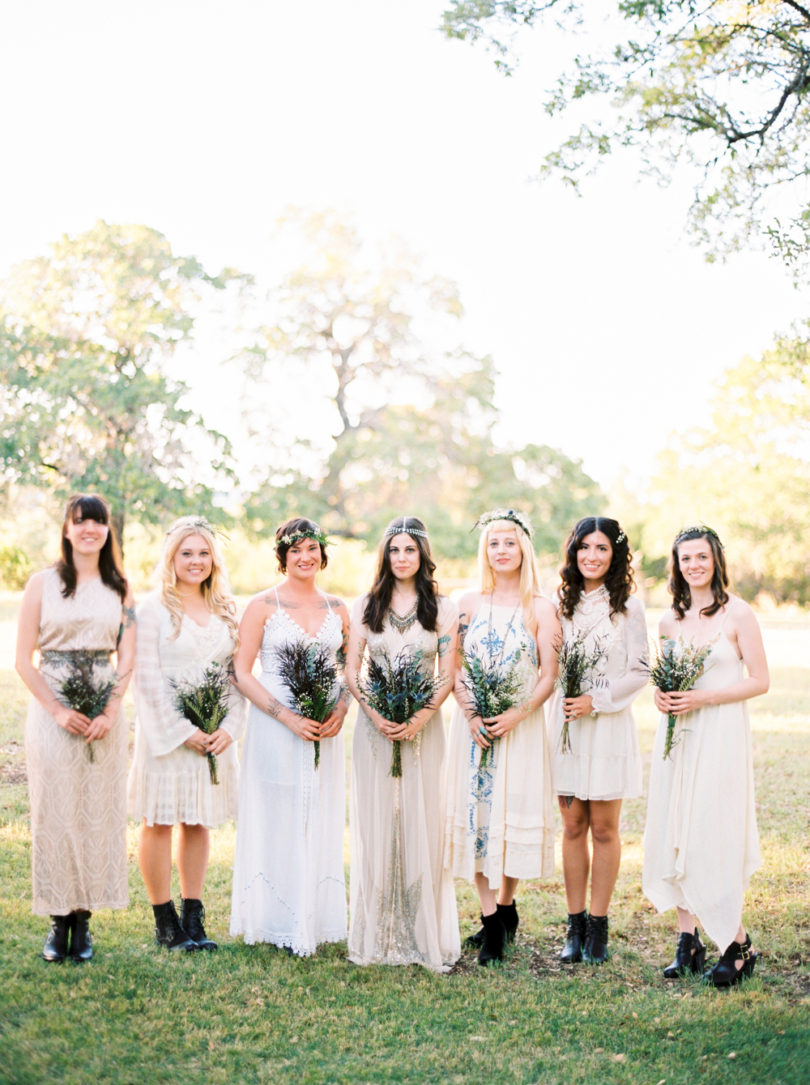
{"x": 346, "y": 695}
{"x": 127, "y": 619}
{"x": 274, "y": 707}
{"x": 443, "y": 643}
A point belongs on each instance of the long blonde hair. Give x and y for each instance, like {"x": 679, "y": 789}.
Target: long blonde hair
{"x": 216, "y": 589}
{"x": 529, "y": 575}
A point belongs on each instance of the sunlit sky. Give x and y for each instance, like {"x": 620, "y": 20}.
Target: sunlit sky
{"x": 205, "y": 120}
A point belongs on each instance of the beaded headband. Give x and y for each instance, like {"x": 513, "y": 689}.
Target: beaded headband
{"x": 398, "y": 527}
{"x": 513, "y": 515}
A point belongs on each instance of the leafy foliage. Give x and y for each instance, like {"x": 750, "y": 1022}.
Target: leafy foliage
{"x": 677, "y": 666}
{"x": 205, "y": 703}
{"x": 86, "y": 400}
{"x": 82, "y": 689}
{"x": 309, "y": 673}
{"x": 493, "y": 686}
{"x": 576, "y": 664}
{"x": 725, "y": 85}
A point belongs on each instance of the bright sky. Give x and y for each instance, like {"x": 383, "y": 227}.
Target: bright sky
{"x": 206, "y": 119}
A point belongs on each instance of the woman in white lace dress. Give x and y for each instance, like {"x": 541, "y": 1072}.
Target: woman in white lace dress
{"x": 600, "y": 764}
{"x": 187, "y": 627}
{"x": 500, "y": 813}
{"x": 288, "y": 880}
{"x": 77, "y": 614}
{"x": 403, "y": 907}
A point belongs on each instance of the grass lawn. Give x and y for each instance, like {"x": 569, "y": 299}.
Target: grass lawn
{"x": 253, "y": 1014}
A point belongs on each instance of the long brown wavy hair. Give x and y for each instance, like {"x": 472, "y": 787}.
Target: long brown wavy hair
{"x": 619, "y": 579}
{"x": 427, "y": 590}
{"x": 681, "y": 595}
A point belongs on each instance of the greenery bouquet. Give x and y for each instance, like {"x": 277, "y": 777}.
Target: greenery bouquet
{"x": 311, "y": 676}
{"x": 205, "y": 704}
{"x": 493, "y": 687}
{"x": 398, "y": 688}
{"x": 576, "y": 666}
{"x": 85, "y": 691}
{"x": 677, "y": 666}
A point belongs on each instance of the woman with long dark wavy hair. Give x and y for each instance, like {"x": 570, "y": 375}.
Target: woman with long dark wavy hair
{"x": 600, "y": 764}
{"x": 77, "y": 615}
{"x": 700, "y": 842}
{"x": 403, "y": 908}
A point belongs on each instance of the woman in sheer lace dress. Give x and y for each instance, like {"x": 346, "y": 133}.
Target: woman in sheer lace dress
{"x": 403, "y": 908}
{"x": 288, "y": 879}
{"x": 500, "y": 812}
{"x": 186, "y": 631}
{"x": 599, "y": 764}
{"x": 77, "y": 614}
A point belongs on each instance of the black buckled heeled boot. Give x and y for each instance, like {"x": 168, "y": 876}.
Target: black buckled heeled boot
{"x": 192, "y": 916}
{"x": 494, "y": 940}
{"x": 81, "y": 944}
{"x": 594, "y": 950}
{"x": 690, "y": 956}
{"x": 169, "y": 931}
{"x": 725, "y": 973}
{"x": 509, "y": 916}
{"x": 574, "y": 938}
{"x": 56, "y": 944}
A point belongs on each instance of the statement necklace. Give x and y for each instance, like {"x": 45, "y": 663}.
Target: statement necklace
{"x": 403, "y": 622}
{"x": 510, "y": 623}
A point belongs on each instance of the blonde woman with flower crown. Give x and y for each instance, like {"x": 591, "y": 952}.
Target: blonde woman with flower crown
{"x": 184, "y": 627}
{"x": 500, "y": 818}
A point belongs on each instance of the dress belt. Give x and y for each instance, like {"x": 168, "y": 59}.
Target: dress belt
{"x": 79, "y": 655}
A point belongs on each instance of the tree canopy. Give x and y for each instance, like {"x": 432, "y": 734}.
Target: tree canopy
{"x": 724, "y": 84}
{"x": 410, "y": 422}
{"x": 87, "y": 402}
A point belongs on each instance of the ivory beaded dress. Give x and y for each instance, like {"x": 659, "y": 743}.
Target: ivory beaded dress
{"x": 403, "y": 906}
{"x": 701, "y": 844}
{"x": 78, "y": 806}
{"x": 288, "y": 880}
{"x": 500, "y": 819}
{"x": 169, "y": 783}
{"x": 604, "y": 761}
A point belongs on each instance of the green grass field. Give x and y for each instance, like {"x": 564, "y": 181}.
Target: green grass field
{"x": 253, "y": 1014}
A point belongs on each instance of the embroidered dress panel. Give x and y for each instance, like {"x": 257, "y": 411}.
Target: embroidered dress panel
{"x": 500, "y": 819}
{"x": 403, "y": 907}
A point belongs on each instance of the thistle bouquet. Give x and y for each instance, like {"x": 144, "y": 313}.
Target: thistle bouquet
{"x": 398, "y": 688}
{"x": 677, "y": 666}
{"x": 575, "y": 676}
{"x": 205, "y": 704}
{"x": 311, "y": 676}
{"x": 493, "y": 687}
{"x": 85, "y": 691}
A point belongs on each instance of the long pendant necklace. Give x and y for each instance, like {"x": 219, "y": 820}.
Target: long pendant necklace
{"x": 499, "y": 660}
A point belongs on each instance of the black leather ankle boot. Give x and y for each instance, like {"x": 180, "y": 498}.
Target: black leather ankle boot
{"x": 690, "y": 956}
{"x": 594, "y": 951}
{"x": 56, "y": 944}
{"x": 169, "y": 931}
{"x": 192, "y": 916}
{"x": 81, "y": 944}
{"x": 494, "y": 940}
{"x": 574, "y": 938}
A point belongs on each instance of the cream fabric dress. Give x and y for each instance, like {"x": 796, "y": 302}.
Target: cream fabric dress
{"x": 700, "y": 842}
{"x": 500, "y": 819}
{"x": 168, "y": 783}
{"x": 604, "y": 761}
{"x": 78, "y": 806}
{"x": 403, "y": 905}
{"x": 288, "y": 880}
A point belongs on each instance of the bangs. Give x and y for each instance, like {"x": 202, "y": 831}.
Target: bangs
{"x": 89, "y": 507}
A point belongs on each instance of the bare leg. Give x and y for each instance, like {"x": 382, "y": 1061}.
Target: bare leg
{"x": 607, "y": 852}
{"x": 575, "y": 855}
{"x": 486, "y": 895}
{"x": 687, "y": 921}
{"x": 192, "y": 859}
{"x": 508, "y": 890}
{"x": 155, "y": 861}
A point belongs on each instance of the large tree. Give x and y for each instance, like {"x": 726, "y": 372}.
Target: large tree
{"x": 747, "y": 475}
{"x": 86, "y": 398}
{"x": 410, "y": 416}
{"x": 722, "y": 83}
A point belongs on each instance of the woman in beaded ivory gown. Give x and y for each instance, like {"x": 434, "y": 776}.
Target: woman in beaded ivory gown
{"x": 500, "y": 815}
{"x": 403, "y": 906}
{"x": 288, "y": 881}
{"x": 184, "y": 627}
{"x": 600, "y": 765}
{"x": 700, "y": 840}
{"x": 77, "y": 613}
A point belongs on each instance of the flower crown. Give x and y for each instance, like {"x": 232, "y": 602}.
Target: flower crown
{"x": 398, "y": 528}
{"x": 312, "y": 533}
{"x": 513, "y": 515}
{"x": 697, "y": 529}
{"x": 198, "y": 522}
